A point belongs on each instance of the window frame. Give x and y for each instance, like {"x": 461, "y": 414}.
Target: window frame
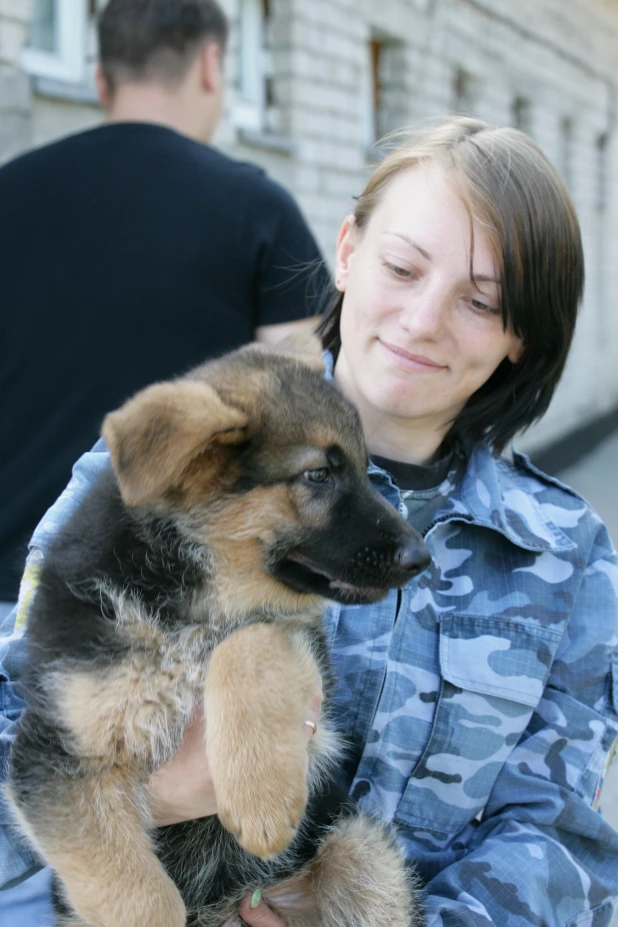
{"x": 253, "y": 111}
{"x": 249, "y": 103}
{"x": 68, "y": 63}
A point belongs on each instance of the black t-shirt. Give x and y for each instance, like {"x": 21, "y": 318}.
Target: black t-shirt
{"x": 128, "y": 254}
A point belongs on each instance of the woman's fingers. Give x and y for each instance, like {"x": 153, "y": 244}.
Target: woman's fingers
{"x": 313, "y": 714}
{"x": 182, "y": 789}
{"x": 260, "y": 915}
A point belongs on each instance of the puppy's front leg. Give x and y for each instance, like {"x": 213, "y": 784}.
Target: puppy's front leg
{"x": 258, "y": 687}
{"x": 91, "y": 834}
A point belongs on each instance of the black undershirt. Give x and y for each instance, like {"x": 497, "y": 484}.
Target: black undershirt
{"x": 416, "y": 476}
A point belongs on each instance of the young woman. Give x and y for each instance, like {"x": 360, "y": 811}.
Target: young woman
{"x": 480, "y": 701}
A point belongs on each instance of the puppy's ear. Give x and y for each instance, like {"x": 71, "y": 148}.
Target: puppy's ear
{"x": 305, "y": 347}
{"x": 155, "y": 435}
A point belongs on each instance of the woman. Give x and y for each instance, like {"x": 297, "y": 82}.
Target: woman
{"x": 479, "y": 701}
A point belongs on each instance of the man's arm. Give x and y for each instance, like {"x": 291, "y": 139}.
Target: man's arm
{"x": 291, "y": 284}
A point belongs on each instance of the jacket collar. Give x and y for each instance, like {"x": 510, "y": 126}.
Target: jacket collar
{"x": 503, "y": 496}
{"x": 484, "y": 489}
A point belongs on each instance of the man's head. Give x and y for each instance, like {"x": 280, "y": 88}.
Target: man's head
{"x": 162, "y": 45}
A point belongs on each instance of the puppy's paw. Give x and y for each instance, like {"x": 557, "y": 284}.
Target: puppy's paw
{"x": 265, "y": 810}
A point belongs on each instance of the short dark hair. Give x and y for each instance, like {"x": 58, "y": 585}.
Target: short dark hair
{"x": 143, "y": 40}
{"x": 524, "y": 207}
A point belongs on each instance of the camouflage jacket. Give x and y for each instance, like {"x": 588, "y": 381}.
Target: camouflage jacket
{"x": 480, "y": 702}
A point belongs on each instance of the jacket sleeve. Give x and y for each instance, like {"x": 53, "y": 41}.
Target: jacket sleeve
{"x": 17, "y": 860}
{"x": 542, "y": 854}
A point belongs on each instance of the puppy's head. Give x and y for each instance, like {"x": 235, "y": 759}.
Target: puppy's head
{"x": 263, "y": 461}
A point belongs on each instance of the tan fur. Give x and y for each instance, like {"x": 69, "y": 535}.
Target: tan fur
{"x": 257, "y": 691}
{"x": 154, "y": 435}
{"x": 360, "y": 883}
{"x": 307, "y": 347}
{"x": 133, "y": 710}
{"x": 358, "y": 879}
{"x": 111, "y": 722}
{"x": 232, "y": 541}
{"x": 110, "y": 873}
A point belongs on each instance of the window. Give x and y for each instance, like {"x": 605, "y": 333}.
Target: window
{"x": 522, "y": 114}
{"x": 464, "y": 92}
{"x": 386, "y": 107}
{"x": 566, "y": 149}
{"x": 601, "y": 263}
{"x": 255, "y": 107}
{"x": 601, "y": 172}
{"x": 56, "y": 41}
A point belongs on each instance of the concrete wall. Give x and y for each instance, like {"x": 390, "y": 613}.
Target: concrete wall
{"x": 549, "y": 64}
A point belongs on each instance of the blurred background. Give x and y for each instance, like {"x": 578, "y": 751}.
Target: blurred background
{"x": 313, "y": 84}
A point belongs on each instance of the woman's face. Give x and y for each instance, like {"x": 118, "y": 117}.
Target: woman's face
{"x": 418, "y": 335}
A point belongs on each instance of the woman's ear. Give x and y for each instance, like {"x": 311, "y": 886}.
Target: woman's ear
{"x": 517, "y": 351}
{"x": 346, "y": 245}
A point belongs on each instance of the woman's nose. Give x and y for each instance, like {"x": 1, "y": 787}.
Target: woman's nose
{"x": 425, "y": 310}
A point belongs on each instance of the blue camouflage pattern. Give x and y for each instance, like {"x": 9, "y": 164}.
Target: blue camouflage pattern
{"x": 480, "y": 703}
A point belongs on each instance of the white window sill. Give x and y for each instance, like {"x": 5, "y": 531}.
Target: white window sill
{"x": 256, "y": 138}
{"x": 67, "y": 91}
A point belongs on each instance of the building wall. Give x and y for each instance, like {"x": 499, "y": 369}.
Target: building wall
{"x": 547, "y": 65}
{"x": 15, "y": 99}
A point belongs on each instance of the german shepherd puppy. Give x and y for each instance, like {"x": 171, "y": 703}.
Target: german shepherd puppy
{"x": 196, "y": 571}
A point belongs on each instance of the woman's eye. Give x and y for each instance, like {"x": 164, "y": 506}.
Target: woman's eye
{"x": 398, "y": 270}
{"x": 320, "y": 475}
{"x": 484, "y": 307}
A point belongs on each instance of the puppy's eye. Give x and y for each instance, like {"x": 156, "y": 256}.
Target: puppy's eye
{"x": 317, "y": 476}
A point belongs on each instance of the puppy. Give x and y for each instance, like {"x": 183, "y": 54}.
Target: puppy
{"x": 195, "y": 572}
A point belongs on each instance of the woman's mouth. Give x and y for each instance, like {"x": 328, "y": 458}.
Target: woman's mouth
{"x": 409, "y": 361}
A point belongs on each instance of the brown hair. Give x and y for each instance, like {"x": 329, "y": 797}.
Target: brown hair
{"x": 515, "y": 193}
{"x": 156, "y": 39}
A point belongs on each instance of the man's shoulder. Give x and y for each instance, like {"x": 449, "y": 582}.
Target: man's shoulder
{"x": 40, "y": 155}
{"x": 245, "y": 173}
{"x": 161, "y": 145}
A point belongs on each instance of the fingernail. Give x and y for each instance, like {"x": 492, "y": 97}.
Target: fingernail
{"x": 256, "y": 897}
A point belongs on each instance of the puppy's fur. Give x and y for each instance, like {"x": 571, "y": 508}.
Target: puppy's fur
{"x": 196, "y": 571}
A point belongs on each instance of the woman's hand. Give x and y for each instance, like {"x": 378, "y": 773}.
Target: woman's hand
{"x": 260, "y": 915}
{"x": 182, "y": 790}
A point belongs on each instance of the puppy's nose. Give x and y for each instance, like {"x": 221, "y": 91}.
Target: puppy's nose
{"x": 413, "y": 556}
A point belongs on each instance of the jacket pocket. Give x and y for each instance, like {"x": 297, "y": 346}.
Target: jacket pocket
{"x": 493, "y": 675}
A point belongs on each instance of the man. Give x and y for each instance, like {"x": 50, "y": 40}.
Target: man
{"x": 130, "y": 253}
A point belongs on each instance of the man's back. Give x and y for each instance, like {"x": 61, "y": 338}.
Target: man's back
{"x": 130, "y": 253}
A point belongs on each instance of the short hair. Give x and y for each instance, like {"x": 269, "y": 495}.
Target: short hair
{"x": 144, "y": 40}
{"x": 514, "y": 192}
